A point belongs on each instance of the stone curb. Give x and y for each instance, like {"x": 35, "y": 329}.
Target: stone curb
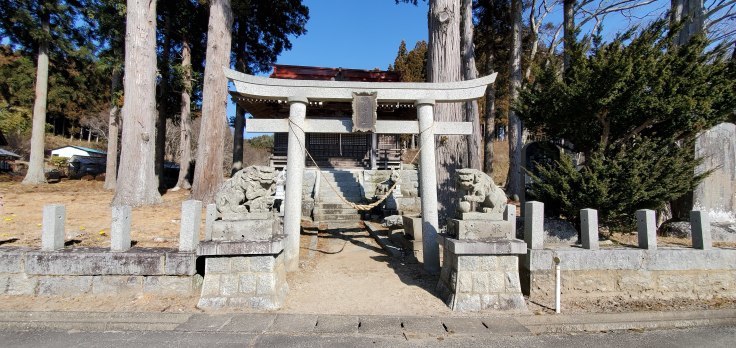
{"x": 408, "y": 326}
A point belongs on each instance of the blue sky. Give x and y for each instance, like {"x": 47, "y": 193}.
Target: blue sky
{"x": 361, "y": 34}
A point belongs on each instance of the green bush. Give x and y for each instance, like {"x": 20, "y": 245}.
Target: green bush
{"x": 642, "y": 175}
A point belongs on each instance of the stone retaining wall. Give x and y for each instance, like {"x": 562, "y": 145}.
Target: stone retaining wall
{"x": 635, "y": 274}
{"x": 28, "y": 271}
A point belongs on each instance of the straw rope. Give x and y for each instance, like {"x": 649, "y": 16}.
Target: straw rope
{"x": 336, "y": 191}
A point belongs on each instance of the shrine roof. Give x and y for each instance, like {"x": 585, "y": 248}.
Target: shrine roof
{"x": 297, "y": 72}
{"x": 264, "y": 108}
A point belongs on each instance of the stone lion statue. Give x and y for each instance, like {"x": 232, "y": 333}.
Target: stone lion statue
{"x": 475, "y": 186}
{"x": 383, "y": 187}
{"x": 250, "y": 190}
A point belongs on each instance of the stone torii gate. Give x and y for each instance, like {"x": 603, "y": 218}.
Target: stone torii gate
{"x": 298, "y": 93}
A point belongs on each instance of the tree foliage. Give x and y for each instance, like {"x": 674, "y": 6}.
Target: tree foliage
{"x": 632, "y": 107}
{"x": 411, "y": 65}
{"x": 76, "y": 86}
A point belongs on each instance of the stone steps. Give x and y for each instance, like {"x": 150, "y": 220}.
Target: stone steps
{"x": 329, "y": 206}
{"x": 322, "y": 217}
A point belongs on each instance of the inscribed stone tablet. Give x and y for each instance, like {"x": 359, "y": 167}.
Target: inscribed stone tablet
{"x": 364, "y": 111}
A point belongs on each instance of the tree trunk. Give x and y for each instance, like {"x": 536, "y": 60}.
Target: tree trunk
{"x": 185, "y": 139}
{"x": 239, "y": 124}
{"x": 163, "y": 102}
{"x": 490, "y": 121}
{"x": 690, "y": 11}
{"x": 568, "y": 18}
{"x": 471, "y": 72}
{"x": 137, "y": 184}
{"x": 238, "y": 139}
{"x": 36, "y": 174}
{"x": 111, "y": 170}
{"x": 515, "y": 182}
{"x": 208, "y": 175}
{"x": 444, "y": 65}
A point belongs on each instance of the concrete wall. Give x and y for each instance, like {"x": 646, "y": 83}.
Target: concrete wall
{"x": 631, "y": 273}
{"x": 27, "y": 271}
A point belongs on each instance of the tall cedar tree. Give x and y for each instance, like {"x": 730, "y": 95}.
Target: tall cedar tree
{"x": 137, "y": 184}
{"x": 266, "y": 27}
{"x": 107, "y": 21}
{"x": 261, "y": 32}
{"x": 633, "y": 107}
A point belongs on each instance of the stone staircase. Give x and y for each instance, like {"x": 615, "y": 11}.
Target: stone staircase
{"x": 329, "y": 208}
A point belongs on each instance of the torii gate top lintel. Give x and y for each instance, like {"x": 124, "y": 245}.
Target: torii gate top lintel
{"x": 314, "y": 90}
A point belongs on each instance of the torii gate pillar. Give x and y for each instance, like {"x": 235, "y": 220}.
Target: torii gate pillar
{"x": 294, "y": 181}
{"x": 428, "y": 184}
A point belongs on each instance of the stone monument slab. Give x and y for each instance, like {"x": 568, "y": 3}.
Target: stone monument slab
{"x": 248, "y": 229}
{"x": 716, "y": 194}
{"x": 480, "y": 229}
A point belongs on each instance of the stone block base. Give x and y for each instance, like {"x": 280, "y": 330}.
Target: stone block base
{"x": 249, "y": 229}
{"x": 476, "y": 282}
{"x": 480, "y": 229}
{"x": 244, "y": 281}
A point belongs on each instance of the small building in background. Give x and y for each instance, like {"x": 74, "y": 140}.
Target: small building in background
{"x": 71, "y": 151}
{"x": 7, "y": 160}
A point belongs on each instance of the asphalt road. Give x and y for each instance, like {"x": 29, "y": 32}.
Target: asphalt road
{"x": 671, "y": 338}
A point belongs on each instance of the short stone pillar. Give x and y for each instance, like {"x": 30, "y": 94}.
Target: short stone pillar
{"x": 646, "y": 227}
{"x": 413, "y": 229}
{"x": 191, "y": 216}
{"x": 428, "y": 186}
{"x": 510, "y": 215}
{"x": 534, "y": 224}
{"x": 209, "y": 220}
{"x": 52, "y": 235}
{"x": 243, "y": 274}
{"x": 294, "y": 180}
{"x": 120, "y": 228}
{"x": 700, "y": 230}
{"x": 589, "y": 228}
{"x": 481, "y": 275}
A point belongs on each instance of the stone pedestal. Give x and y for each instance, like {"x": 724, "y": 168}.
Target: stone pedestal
{"x": 481, "y": 275}
{"x": 244, "y": 274}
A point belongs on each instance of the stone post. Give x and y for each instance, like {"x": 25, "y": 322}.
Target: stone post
{"x": 209, "y": 220}
{"x": 120, "y": 228}
{"x": 700, "y": 230}
{"x": 428, "y": 184}
{"x": 191, "y": 215}
{"x": 534, "y": 224}
{"x": 294, "y": 181}
{"x": 510, "y": 215}
{"x": 646, "y": 226}
{"x": 52, "y": 236}
{"x": 589, "y": 228}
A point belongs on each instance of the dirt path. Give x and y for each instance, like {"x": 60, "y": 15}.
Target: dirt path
{"x": 353, "y": 275}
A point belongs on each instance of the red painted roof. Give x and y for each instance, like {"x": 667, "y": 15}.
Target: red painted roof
{"x": 296, "y": 72}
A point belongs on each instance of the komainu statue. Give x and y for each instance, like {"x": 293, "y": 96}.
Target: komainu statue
{"x": 249, "y": 191}
{"x": 475, "y": 186}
